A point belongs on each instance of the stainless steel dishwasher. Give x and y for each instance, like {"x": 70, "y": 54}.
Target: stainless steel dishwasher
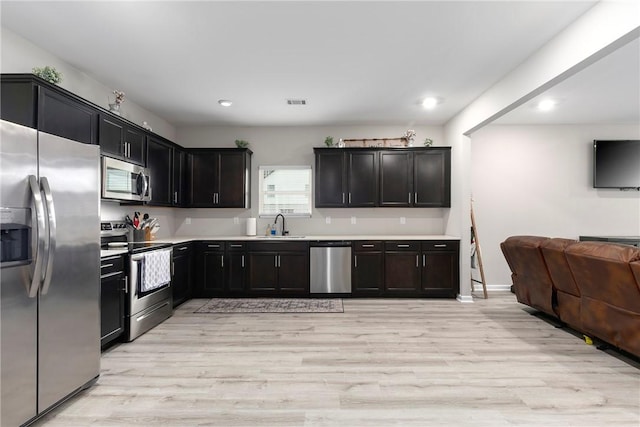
{"x": 330, "y": 267}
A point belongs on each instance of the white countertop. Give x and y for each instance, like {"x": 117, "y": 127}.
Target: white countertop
{"x": 351, "y": 237}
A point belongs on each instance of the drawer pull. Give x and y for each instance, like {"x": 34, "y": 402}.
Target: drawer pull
{"x": 368, "y": 246}
{"x": 444, "y": 245}
{"x": 403, "y": 246}
{"x": 213, "y": 246}
{"x": 236, "y": 246}
{"x": 184, "y": 248}
{"x": 106, "y": 265}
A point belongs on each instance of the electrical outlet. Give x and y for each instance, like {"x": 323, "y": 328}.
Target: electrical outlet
{"x": 327, "y": 220}
{"x": 353, "y": 220}
{"x": 403, "y": 220}
{"x": 236, "y": 220}
{"x": 187, "y": 221}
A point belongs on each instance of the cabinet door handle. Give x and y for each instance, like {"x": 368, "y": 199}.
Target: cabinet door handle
{"x": 355, "y": 261}
{"x": 278, "y": 261}
{"x": 403, "y": 246}
{"x": 417, "y": 261}
{"x": 242, "y": 261}
{"x": 222, "y": 261}
{"x": 367, "y": 246}
{"x": 106, "y": 265}
{"x": 275, "y": 260}
{"x": 424, "y": 260}
{"x": 184, "y": 248}
{"x": 126, "y": 285}
{"x": 415, "y": 198}
{"x": 349, "y": 198}
{"x": 444, "y": 245}
{"x": 343, "y": 198}
{"x": 175, "y": 197}
{"x": 409, "y": 198}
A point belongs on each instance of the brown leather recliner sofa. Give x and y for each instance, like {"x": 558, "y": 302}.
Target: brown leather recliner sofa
{"x": 594, "y": 287}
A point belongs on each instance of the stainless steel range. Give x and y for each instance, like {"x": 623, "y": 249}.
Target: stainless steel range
{"x": 149, "y": 296}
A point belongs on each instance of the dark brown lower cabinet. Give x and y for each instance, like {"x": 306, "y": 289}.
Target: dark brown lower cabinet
{"x": 220, "y": 269}
{"x": 235, "y": 268}
{"x": 209, "y": 269}
{"x": 401, "y": 272}
{"x": 182, "y": 269}
{"x": 278, "y": 268}
{"x": 421, "y": 269}
{"x": 367, "y": 275}
{"x": 112, "y": 299}
{"x": 440, "y": 273}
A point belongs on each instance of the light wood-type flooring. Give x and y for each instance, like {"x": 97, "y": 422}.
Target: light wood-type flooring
{"x": 399, "y": 362}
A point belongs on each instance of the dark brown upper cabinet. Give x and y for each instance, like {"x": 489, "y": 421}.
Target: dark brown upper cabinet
{"x": 370, "y": 177}
{"x": 30, "y": 101}
{"x": 219, "y": 178}
{"x": 346, "y": 178}
{"x": 159, "y": 163}
{"x": 119, "y": 139}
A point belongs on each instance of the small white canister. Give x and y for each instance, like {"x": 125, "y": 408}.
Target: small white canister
{"x": 251, "y": 226}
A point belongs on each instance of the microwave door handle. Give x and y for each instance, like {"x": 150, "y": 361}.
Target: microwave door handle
{"x": 145, "y": 185}
{"x": 40, "y": 226}
{"x": 51, "y": 214}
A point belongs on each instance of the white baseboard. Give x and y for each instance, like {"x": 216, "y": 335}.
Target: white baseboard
{"x": 492, "y": 287}
{"x": 465, "y": 298}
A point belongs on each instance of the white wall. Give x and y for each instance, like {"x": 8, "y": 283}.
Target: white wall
{"x": 294, "y": 146}
{"x": 18, "y": 55}
{"x": 537, "y": 180}
{"x": 601, "y": 30}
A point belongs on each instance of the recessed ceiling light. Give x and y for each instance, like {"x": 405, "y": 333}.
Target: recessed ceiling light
{"x": 430, "y": 102}
{"x": 546, "y": 105}
{"x": 225, "y": 102}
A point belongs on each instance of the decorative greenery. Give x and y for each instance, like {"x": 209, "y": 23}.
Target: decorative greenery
{"x": 428, "y": 142}
{"x": 328, "y": 141}
{"x": 48, "y": 73}
{"x": 241, "y": 143}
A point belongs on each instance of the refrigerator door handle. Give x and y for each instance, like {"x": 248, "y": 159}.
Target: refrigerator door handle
{"x": 37, "y": 272}
{"x": 51, "y": 215}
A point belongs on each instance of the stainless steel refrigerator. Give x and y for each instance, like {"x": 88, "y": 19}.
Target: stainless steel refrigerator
{"x": 50, "y": 271}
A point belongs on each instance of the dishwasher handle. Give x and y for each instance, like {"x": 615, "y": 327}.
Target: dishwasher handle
{"x": 330, "y": 244}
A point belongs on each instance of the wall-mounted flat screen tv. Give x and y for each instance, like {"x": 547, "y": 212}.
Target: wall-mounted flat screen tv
{"x": 616, "y": 164}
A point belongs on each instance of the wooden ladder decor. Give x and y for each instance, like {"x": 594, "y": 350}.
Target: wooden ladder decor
{"x": 474, "y": 236}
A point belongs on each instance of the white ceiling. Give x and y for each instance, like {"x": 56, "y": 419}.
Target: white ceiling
{"x": 354, "y": 62}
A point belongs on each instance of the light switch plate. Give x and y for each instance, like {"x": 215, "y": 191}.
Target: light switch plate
{"x": 236, "y": 220}
{"x": 353, "y": 220}
{"x": 187, "y": 221}
{"x": 327, "y": 220}
{"x": 403, "y": 220}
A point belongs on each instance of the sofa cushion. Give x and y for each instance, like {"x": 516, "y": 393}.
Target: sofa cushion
{"x": 602, "y": 272}
{"x": 532, "y": 283}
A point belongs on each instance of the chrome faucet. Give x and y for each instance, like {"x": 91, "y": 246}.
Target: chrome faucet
{"x": 283, "y": 230}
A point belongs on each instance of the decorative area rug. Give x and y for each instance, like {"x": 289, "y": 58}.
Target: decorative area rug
{"x": 272, "y": 305}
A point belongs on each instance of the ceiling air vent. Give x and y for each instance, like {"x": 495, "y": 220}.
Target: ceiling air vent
{"x": 296, "y": 101}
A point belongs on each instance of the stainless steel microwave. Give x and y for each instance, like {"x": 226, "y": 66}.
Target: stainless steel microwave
{"x": 125, "y": 181}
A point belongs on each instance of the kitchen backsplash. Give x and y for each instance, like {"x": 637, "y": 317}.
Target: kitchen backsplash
{"x": 212, "y": 222}
{"x": 110, "y": 211}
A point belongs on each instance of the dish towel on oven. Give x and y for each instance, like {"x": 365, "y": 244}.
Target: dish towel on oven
{"x": 157, "y": 269}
